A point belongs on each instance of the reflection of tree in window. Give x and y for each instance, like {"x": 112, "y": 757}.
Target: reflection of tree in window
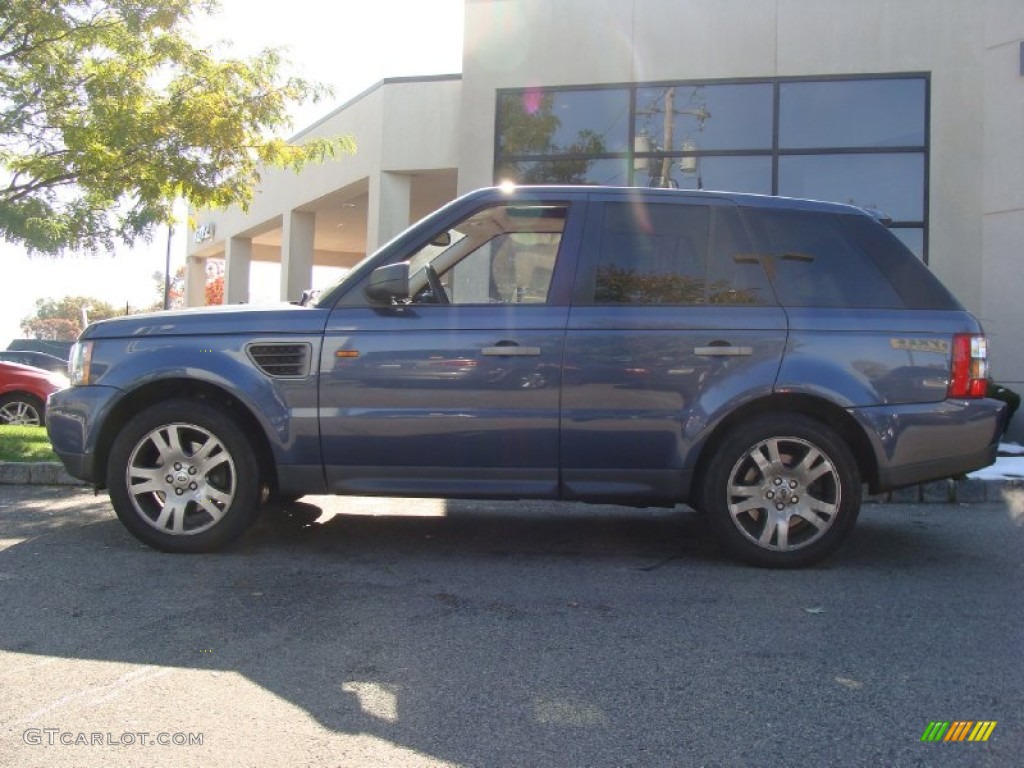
{"x": 619, "y": 286}
{"x": 531, "y": 132}
{"x": 659, "y": 254}
{"x": 616, "y": 285}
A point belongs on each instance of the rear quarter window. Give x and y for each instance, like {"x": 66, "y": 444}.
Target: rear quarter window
{"x": 813, "y": 260}
{"x": 917, "y": 286}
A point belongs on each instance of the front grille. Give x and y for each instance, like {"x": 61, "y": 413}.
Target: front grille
{"x": 281, "y": 360}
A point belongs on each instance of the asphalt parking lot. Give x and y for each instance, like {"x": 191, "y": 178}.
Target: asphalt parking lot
{"x": 420, "y": 633}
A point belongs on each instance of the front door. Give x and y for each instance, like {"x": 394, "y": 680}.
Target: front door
{"x": 454, "y": 390}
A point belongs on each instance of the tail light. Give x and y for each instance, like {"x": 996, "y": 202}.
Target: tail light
{"x": 970, "y": 366}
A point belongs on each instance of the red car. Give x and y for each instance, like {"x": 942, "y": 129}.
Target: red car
{"x": 23, "y": 393}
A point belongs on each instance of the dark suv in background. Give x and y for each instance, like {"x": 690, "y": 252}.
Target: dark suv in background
{"x": 758, "y": 358}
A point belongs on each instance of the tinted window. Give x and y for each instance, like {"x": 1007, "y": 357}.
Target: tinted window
{"x": 659, "y": 254}
{"x": 852, "y": 113}
{"x": 652, "y": 254}
{"x": 735, "y": 275}
{"x": 813, "y": 261}
{"x": 917, "y": 286}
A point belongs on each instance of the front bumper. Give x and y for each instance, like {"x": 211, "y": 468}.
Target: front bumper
{"x": 74, "y": 418}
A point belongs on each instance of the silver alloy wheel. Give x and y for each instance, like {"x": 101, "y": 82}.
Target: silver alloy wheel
{"x": 181, "y": 479}
{"x": 783, "y": 494}
{"x": 20, "y": 413}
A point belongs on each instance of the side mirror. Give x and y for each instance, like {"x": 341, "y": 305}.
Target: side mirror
{"x": 390, "y": 282}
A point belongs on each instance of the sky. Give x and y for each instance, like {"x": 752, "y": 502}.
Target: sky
{"x": 347, "y": 44}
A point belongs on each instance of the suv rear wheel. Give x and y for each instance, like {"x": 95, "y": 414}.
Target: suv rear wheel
{"x": 183, "y": 478}
{"x": 782, "y": 491}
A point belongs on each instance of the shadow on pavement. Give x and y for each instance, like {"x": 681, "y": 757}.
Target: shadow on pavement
{"x": 505, "y": 634}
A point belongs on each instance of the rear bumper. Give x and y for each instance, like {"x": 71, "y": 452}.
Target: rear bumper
{"x": 920, "y": 443}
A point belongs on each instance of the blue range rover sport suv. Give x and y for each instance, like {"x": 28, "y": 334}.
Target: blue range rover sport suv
{"x": 761, "y": 359}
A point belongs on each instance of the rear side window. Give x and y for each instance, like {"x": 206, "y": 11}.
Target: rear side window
{"x": 813, "y": 260}
{"x": 678, "y": 254}
{"x": 915, "y": 283}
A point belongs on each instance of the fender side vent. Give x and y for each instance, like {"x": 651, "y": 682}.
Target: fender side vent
{"x": 281, "y": 360}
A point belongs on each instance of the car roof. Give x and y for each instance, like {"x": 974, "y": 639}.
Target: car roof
{"x": 745, "y": 199}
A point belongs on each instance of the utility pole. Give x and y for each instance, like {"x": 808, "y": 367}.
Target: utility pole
{"x": 668, "y": 108}
{"x": 669, "y": 131}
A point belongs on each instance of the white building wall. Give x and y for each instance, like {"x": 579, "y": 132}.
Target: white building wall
{"x": 1002, "y": 123}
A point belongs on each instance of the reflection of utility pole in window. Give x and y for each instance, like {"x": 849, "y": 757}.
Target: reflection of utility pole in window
{"x": 688, "y": 164}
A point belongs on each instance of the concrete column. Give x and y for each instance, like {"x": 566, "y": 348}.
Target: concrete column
{"x": 389, "y": 208}
{"x": 297, "y": 254}
{"x": 237, "y": 259}
{"x": 195, "y": 281}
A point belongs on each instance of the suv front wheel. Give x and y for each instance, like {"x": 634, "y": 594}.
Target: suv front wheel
{"x": 782, "y": 491}
{"x": 183, "y": 478}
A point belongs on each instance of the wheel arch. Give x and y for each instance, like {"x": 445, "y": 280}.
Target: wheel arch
{"x": 824, "y": 411}
{"x": 155, "y": 392}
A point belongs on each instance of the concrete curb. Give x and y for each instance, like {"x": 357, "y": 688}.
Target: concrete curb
{"x": 966, "y": 491}
{"x": 35, "y": 473}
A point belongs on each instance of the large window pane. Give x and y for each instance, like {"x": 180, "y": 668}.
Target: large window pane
{"x": 539, "y": 122}
{"x": 855, "y": 113}
{"x": 892, "y": 184}
{"x": 727, "y": 174}
{"x": 611, "y": 173}
{"x": 705, "y": 117}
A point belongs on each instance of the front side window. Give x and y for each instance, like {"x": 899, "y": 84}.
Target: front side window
{"x": 503, "y": 254}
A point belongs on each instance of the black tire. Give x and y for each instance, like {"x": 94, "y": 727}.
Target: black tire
{"x": 783, "y": 491}
{"x": 193, "y": 454}
{"x": 23, "y": 409}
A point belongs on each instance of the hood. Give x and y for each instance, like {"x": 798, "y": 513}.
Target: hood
{"x": 213, "y": 321}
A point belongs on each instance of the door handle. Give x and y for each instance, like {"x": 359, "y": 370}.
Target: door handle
{"x": 511, "y": 350}
{"x": 723, "y": 350}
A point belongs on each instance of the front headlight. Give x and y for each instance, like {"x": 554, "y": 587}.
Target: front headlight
{"x": 79, "y": 363}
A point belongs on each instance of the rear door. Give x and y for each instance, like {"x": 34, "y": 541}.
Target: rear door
{"x": 455, "y": 391}
{"x": 673, "y": 325}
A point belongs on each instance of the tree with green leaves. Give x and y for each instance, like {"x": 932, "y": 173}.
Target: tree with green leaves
{"x": 62, "y": 320}
{"x": 108, "y": 114}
